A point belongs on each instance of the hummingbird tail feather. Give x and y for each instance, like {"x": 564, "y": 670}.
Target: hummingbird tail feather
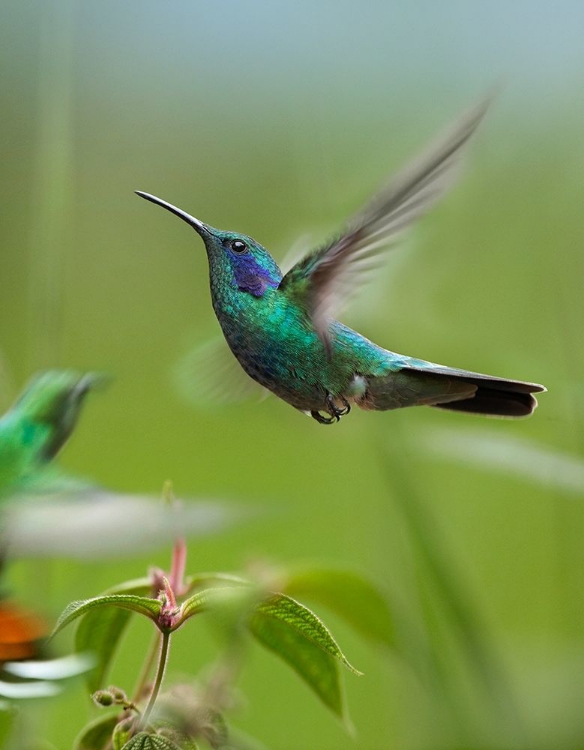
{"x": 446, "y": 388}
{"x": 496, "y": 397}
{"x": 494, "y": 403}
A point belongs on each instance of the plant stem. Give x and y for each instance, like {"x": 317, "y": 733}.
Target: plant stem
{"x": 162, "y": 660}
{"x": 449, "y": 586}
{"x": 146, "y": 669}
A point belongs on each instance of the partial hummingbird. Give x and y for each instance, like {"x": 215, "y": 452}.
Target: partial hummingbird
{"x": 283, "y": 328}
{"x": 32, "y": 432}
{"x": 45, "y": 511}
{"x": 38, "y": 425}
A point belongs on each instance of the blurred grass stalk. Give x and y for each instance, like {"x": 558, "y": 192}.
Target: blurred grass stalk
{"x": 489, "y": 712}
{"x": 49, "y": 218}
{"x": 514, "y": 456}
{"x": 50, "y": 213}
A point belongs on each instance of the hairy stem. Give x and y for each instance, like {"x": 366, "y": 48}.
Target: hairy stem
{"x": 146, "y": 669}
{"x": 162, "y": 660}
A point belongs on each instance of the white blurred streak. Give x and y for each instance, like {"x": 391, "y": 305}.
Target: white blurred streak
{"x": 517, "y": 457}
{"x": 94, "y": 524}
{"x": 51, "y": 669}
{"x": 19, "y": 690}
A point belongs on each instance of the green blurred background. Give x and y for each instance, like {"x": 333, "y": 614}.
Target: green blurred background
{"x": 278, "y": 120}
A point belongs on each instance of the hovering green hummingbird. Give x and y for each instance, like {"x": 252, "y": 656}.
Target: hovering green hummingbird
{"x": 282, "y": 328}
{"x": 32, "y": 433}
{"x": 37, "y": 426}
{"x": 45, "y": 511}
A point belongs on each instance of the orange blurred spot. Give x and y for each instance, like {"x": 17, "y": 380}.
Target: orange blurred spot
{"x": 19, "y": 633}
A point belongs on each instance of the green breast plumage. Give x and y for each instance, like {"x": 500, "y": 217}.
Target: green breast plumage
{"x": 277, "y": 346}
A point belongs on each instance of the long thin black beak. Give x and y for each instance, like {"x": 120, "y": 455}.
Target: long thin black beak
{"x": 197, "y": 225}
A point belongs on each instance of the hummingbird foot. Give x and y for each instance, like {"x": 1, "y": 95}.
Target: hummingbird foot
{"x": 335, "y": 413}
{"x": 321, "y": 419}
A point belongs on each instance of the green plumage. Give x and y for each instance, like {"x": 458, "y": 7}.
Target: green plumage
{"x": 37, "y": 426}
{"x": 283, "y": 329}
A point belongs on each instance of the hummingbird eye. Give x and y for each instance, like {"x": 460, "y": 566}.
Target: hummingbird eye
{"x": 238, "y": 246}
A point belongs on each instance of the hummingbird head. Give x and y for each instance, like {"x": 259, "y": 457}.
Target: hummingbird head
{"x": 54, "y": 399}
{"x": 234, "y": 259}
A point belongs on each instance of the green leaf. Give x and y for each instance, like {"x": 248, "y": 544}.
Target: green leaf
{"x": 352, "y": 596}
{"x": 99, "y": 633}
{"x": 97, "y": 734}
{"x": 199, "y": 602}
{"x": 174, "y": 735}
{"x": 141, "y": 604}
{"x": 123, "y": 733}
{"x": 145, "y": 741}
{"x": 298, "y": 617}
{"x": 101, "y": 630}
{"x": 208, "y": 580}
{"x": 296, "y": 634}
{"x": 233, "y": 599}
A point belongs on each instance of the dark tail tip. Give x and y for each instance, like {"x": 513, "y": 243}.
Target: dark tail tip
{"x": 495, "y": 403}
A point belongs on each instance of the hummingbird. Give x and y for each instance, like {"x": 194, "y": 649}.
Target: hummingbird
{"x": 32, "y": 432}
{"x": 46, "y": 511}
{"x": 38, "y": 425}
{"x": 282, "y": 328}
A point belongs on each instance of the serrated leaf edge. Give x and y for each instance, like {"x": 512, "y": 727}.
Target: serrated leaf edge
{"x": 338, "y": 655}
{"x": 140, "y": 604}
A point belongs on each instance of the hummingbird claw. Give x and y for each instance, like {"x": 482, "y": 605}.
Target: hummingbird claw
{"x": 321, "y": 419}
{"x": 346, "y": 408}
{"x": 333, "y": 410}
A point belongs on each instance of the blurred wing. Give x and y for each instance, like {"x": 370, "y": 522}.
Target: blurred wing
{"x": 323, "y": 279}
{"x": 299, "y": 248}
{"x": 209, "y": 375}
